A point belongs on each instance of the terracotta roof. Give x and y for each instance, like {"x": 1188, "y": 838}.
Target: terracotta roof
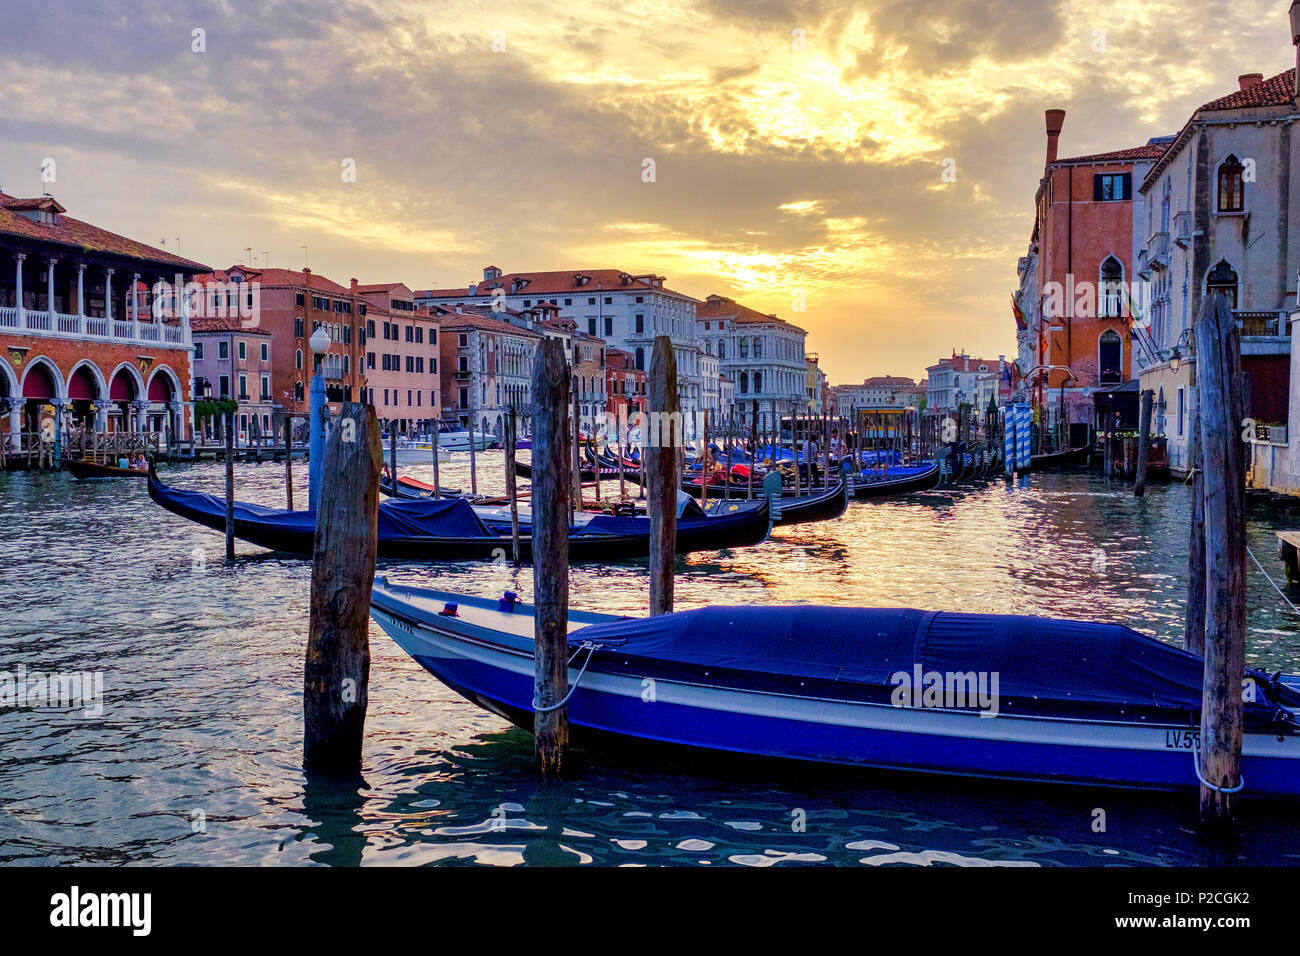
{"x": 552, "y": 283}
{"x": 477, "y": 320}
{"x": 229, "y": 323}
{"x": 76, "y": 234}
{"x": 271, "y": 278}
{"x": 378, "y": 287}
{"x": 1149, "y": 151}
{"x": 720, "y": 307}
{"x": 1275, "y": 91}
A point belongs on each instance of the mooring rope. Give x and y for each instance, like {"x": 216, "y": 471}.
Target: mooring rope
{"x": 591, "y": 649}
{"x": 1281, "y": 593}
{"x": 1196, "y": 765}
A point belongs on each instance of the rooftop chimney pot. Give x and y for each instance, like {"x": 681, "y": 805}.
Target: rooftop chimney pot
{"x": 1056, "y": 120}
{"x": 1247, "y": 80}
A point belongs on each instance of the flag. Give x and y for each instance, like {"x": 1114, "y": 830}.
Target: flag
{"x": 1021, "y": 322}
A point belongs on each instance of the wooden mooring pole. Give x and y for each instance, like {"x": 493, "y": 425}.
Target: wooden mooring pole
{"x": 437, "y": 487}
{"x": 336, "y": 673}
{"x": 512, "y": 486}
{"x": 1144, "y": 442}
{"x": 661, "y": 473}
{"x": 230, "y": 486}
{"x": 1218, "y": 344}
{"x": 288, "y": 460}
{"x": 1194, "y": 618}
{"x": 550, "y": 502}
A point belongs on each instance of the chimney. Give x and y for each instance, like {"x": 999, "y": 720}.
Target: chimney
{"x": 1295, "y": 40}
{"x": 353, "y": 285}
{"x": 1247, "y": 80}
{"x": 1055, "y": 120}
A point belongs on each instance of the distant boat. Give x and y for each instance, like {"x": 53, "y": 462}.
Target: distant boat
{"x": 1020, "y": 698}
{"x": 897, "y": 480}
{"x": 84, "y": 470}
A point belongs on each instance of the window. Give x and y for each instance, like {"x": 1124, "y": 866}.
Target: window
{"x": 297, "y": 327}
{"x": 223, "y": 350}
{"x": 591, "y": 326}
{"x": 722, "y": 348}
{"x": 639, "y": 324}
{"x": 266, "y": 388}
{"x": 297, "y": 359}
{"x": 265, "y": 352}
{"x": 1110, "y": 354}
{"x": 300, "y": 299}
{"x": 370, "y": 328}
{"x": 198, "y": 351}
{"x": 410, "y": 333}
{"x": 640, "y": 299}
{"x": 1112, "y": 187}
{"x": 433, "y": 365}
{"x": 758, "y": 382}
{"x": 462, "y": 340}
{"x": 1223, "y": 278}
{"x": 243, "y": 350}
{"x": 609, "y": 326}
{"x": 640, "y": 360}
{"x": 609, "y": 300}
{"x": 1232, "y": 186}
{"x": 463, "y": 398}
{"x": 744, "y": 382}
{"x": 568, "y": 302}
{"x": 462, "y": 364}
{"x": 1110, "y": 291}
{"x": 1181, "y": 410}
{"x": 758, "y": 347}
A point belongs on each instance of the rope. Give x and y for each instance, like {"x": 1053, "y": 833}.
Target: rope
{"x": 1196, "y": 765}
{"x": 591, "y": 649}
{"x": 1281, "y": 593}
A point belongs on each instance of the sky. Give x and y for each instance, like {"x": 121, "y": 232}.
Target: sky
{"x": 874, "y": 162}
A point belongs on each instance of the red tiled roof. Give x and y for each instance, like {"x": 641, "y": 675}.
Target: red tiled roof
{"x": 271, "y": 278}
{"x": 477, "y": 320}
{"x": 378, "y": 287}
{"x": 230, "y": 323}
{"x": 76, "y": 234}
{"x": 550, "y": 284}
{"x": 1275, "y": 91}
{"x": 1149, "y": 151}
{"x": 720, "y": 307}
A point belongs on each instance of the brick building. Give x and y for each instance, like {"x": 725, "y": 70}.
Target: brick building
{"x": 233, "y": 361}
{"x": 402, "y": 357}
{"x": 75, "y": 338}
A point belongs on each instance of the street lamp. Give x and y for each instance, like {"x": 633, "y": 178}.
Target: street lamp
{"x": 1175, "y": 356}
{"x": 320, "y": 344}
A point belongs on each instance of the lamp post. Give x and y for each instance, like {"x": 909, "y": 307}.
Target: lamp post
{"x": 320, "y": 343}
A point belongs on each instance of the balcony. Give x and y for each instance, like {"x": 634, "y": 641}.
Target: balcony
{"x": 1183, "y": 228}
{"x": 100, "y": 328}
{"x": 1268, "y": 324}
{"x": 1158, "y": 251}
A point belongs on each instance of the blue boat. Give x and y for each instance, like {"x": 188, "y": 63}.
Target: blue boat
{"x": 1006, "y": 697}
{"x": 449, "y": 529}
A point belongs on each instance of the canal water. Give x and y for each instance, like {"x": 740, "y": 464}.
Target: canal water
{"x": 196, "y": 758}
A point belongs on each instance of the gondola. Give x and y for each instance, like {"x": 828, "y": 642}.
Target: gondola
{"x": 524, "y": 469}
{"x": 971, "y": 695}
{"x": 448, "y": 529}
{"x": 899, "y": 481}
{"x": 84, "y": 470}
{"x": 412, "y": 489}
{"x": 1066, "y": 458}
{"x": 822, "y": 505}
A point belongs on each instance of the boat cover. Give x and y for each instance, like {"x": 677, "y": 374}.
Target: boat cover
{"x": 444, "y": 517}
{"x": 1035, "y": 658}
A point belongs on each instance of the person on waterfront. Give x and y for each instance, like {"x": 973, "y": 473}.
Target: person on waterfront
{"x": 139, "y": 462}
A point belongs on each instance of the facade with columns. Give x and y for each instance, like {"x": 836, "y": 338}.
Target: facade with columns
{"x": 91, "y": 324}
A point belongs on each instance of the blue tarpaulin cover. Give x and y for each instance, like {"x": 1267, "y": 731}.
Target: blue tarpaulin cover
{"x": 1036, "y": 658}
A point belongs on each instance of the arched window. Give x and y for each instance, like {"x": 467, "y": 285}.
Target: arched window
{"x": 722, "y": 348}
{"x": 1110, "y": 356}
{"x": 744, "y": 347}
{"x": 744, "y": 382}
{"x": 1110, "y": 298}
{"x": 758, "y": 347}
{"x": 297, "y": 360}
{"x": 1223, "y": 278}
{"x": 1232, "y": 185}
{"x": 758, "y": 382}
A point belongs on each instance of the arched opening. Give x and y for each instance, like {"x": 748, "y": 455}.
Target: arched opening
{"x": 122, "y": 391}
{"x": 1232, "y": 185}
{"x": 1110, "y": 294}
{"x": 83, "y": 391}
{"x": 39, "y": 387}
{"x": 161, "y": 393}
{"x": 1110, "y": 356}
{"x": 1223, "y": 278}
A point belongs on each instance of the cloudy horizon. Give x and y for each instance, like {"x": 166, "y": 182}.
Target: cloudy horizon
{"x": 797, "y": 145}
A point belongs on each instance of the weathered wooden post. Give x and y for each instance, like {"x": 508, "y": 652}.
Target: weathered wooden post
{"x": 230, "y": 486}
{"x": 437, "y": 487}
{"x": 576, "y": 447}
{"x": 336, "y": 673}
{"x": 512, "y": 493}
{"x": 753, "y": 450}
{"x": 473, "y": 461}
{"x": 288, "y": 460}
{"x": 1194, "y": 620}
{"x": 551, "y": 463}
{"x": 1219, "y": 355}
{"x": 392, "y": 452}
{"x": 661, "y": 473}
{"x": 1144, "y": 442}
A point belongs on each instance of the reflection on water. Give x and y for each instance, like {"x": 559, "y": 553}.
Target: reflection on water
{"x": 197, "y": 756}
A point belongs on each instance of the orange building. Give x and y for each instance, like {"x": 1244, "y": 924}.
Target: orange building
{"x": 1084, "y": 227}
